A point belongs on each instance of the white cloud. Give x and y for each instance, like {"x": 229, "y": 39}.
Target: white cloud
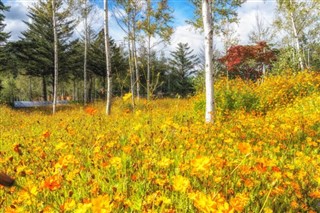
{"x": 186, "y": 34}
{"x": 18, "y": 13}
{"x": 247, "y": 14}
{"x": 15, "y": 17}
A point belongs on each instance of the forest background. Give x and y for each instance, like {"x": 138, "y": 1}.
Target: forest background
{"x": 165, "y": 58}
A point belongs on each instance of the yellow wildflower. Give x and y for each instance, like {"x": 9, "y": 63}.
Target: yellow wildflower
{"x": 102, "y": 204}
{"x": 180, "y": 183}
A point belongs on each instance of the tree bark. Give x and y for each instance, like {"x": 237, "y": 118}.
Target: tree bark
{"x": 55, "y": 84}
{"x": 74, "y": 90}
{"x": 85, "y": 98}
{"x": 134, "y": 49}
{"x": 208, "y": 32}
{"x": 149, "y": 52}
{"x": 108, "y": 62}
{"x": 44, "y": 88}
{"x": 148, "y": 69}
{"x": 132, "y": 79}
{"x": 296, "y": 38}
{"x": 30, "y": 88}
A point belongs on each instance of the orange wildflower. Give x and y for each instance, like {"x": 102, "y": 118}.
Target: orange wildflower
{"x": 52, "y": 183}
{"x": 91, "y": 110}
{"x": 315, "y": 194}
{"x": 102, "y": 204}
{"x": 244, "y": 148}
{"x": 46, "y": 134}
{"x": 239, "y": 202}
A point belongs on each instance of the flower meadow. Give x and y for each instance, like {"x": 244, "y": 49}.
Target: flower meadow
{"x": 261, "y": 154}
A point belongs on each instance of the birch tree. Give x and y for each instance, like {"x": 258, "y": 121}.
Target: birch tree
{"x": 85, "y": 53}
{"x": 56, "y": 62}
{"x": 85, "y": 9}
{"x": 209, "y": 16}
{"x": 261, "y": 31}
{"x": 298, "y": 19}
{"x": 36, "y": 49}
{"x": 155, "y": 23}
{"x": 128, "y": 13}
{"x": 208, "y": 44}
{"x": 108, "y": 63}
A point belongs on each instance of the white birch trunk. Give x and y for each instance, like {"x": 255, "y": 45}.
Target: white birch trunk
{"x": 108, "y": 62}
{"x": 149, "y": 52}
{"x": 148, "y": 69}
{"x": 55, "y": 83}
{"x": 134, "y": 49}
{"x": 296, "y": 38}
{"x": 131, "y": 66}
{"x": 85, "y": 98}
{"x": 208, "y": 32}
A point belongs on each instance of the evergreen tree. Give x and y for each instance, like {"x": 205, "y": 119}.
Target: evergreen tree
{"x": 183, "y": 66}
{"x": 119, "y": 64}
{"x": 3, "y": 35}
{"x": 36, "y": 50}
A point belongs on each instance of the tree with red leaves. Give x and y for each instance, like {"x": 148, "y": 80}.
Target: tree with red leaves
{"x": 247, "y": 61}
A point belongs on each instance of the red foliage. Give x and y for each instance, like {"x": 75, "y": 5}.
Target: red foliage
{"x": 246, "y": 60}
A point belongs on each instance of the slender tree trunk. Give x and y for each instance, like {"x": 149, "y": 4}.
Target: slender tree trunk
{"x": 132, "y": 80}
{"x": 134, "y": 49}
{"x": 74, "y": 90}
{"x": 55, "y": 84}
{"x": 108, "y": 62}
{"x": 137, "y": 70}
{"x": 208, "y": 32}
{"x": 149, "y": 51}
{"x": 30, "y": 88}
{"x": 85, "y": 98}
{"x": 44, "y": 89}
{"x": 263, "y": 67}
{"x": 132, "y": 77}
{"x": 90, "y": 89}
{"x": 148, "y": 69}
{"x": 308, "y": 57}
{"x": 296, "y": 38}
{"x": 94, "y": 97}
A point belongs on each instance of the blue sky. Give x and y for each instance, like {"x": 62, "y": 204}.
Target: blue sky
{"x": 183, "y": 10}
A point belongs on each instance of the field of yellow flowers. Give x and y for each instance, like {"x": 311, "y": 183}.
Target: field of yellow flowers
{"x": 261, "y": 154}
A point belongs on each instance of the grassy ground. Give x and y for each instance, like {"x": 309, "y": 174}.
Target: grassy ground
{"x": 261, "y": 154}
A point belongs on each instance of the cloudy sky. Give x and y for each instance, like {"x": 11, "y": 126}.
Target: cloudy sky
{"x": 183, "y": 11}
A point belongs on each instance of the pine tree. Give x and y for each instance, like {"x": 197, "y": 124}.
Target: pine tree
{"x": 3, "y": 38}
{"x": 3, "y": 35}
{"x": 183, "y": 64}
{"x": 97, "y": 64}
{"x": 36, "y": 50}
